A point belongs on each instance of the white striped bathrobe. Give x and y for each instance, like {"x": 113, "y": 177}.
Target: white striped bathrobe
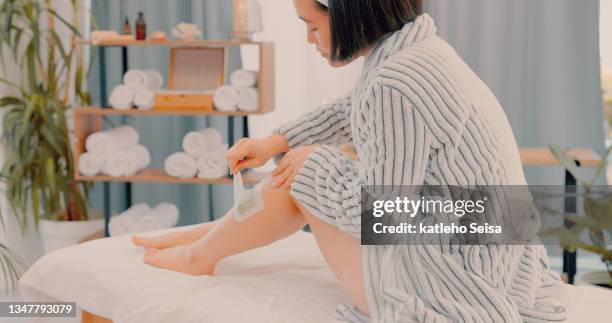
{"x": 419, "y": 115}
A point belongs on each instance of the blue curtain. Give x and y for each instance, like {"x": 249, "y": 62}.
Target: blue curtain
{"x": 163, "y": 135}
{"x": 541, "y": 59}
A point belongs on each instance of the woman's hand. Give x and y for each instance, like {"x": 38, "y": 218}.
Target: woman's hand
{"x": 252, "y": 153}
{"x": 290, "y": 165}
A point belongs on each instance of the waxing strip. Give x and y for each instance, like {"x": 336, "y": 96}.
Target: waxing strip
{"x": 247, "y": 202}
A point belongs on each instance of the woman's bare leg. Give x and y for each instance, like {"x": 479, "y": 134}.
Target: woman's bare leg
{"x": 229, "y": 237}
{"x": 192, "y": 235}
{"x": 342, "y": 253}
{"x": 175, "y": 238}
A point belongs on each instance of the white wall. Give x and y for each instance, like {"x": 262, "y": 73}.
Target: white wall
{"x": 303, "y": 78}
{"x": 606, "y": 34}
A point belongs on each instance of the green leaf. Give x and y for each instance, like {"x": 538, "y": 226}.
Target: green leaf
{"x": 567, "y": 239}
{"x": 11, "y": 265}
{"x": 10, "y": 102}
{"x": 31, "y": 66}
{"x": 602, "y": 166}
{"x": 35, "y": 204}
{"x": 64, "y": 21}
{"x": 50, "y": 165}
{"x": 568, "y": 162}
{"x": 50, "y": 137}
{"x": 9, "y": 83}
{"x": 17, "y": 42}
{"x": 25, "y": 118}
{"x": 599, "y": 207}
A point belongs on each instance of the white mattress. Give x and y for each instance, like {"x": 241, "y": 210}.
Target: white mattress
{"x": 284, "y": 282}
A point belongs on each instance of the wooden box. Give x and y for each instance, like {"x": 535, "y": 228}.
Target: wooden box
{"x": 193, "y": 76}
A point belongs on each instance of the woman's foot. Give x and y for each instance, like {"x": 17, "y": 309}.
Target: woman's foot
{"x": 181, "y": 259}
{"x": 173, "y": 239}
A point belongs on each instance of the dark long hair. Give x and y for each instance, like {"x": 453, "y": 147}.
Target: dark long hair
{"x": 356, "y": 24}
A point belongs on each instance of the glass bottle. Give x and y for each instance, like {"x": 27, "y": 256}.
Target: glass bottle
{"x": 127, "y": 29}
{"x": 141, "y": 27}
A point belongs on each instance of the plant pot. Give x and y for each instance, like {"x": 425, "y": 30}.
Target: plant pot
{"x": 598, "y": 279}
{"x": 60, "y": 234}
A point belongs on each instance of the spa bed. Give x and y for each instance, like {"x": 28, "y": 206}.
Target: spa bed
{"x": 287, "y": 281}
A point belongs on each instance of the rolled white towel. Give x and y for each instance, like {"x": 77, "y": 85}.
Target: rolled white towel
{"x": 155, "y": 81}
{"x": 91, "y": 164}
{"x": 226, "y": 98}
{"x": 248, "y": 99}
{"x": 244, "y": 78}
{"x": 104, "y": 142}
{"x": 196, "y": 143}
{"x": 181, "y": 165}
{"x": 123, "y": 223}
{"x": 121, "y": 98}
{"x": 163, "y": 216}
{"x": 144, "y": 99}
{"x": 127, "y": 162}
{"x": 213, "y": 164}
{"x": 135, "y": 79}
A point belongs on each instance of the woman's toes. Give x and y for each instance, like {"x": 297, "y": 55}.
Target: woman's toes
{"x": 147, "y": 243}
{"x": 150, "y": 257}
{"x": 150, "y": 260}
{"x": 139, "y": 241}
{"x": 150, "y": 252}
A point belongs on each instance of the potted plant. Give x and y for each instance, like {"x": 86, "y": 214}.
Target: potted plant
{"x": 38, "y": 171}
{"x": 11, "y": 265}
{"x": 596, "y": 222}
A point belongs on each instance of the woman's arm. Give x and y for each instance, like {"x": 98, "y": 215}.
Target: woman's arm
{"x": 329, "y": 124}
{"x": 329, "y": 183}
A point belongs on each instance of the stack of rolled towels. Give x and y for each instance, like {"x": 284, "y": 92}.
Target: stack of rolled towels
{"x": 138, "y": 89}
{"x": 241, "y": 94}
{"x": 115, "y": 152}
{"x": 203, "y": 155}
{"x": 141, "y": 218}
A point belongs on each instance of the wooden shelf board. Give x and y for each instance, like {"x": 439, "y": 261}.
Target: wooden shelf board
{"x": 533, "y": 156}
{"x": 154, "y": 112}
{"x": 168, "y": 43}
{"x": 152, "y": 175}
{"x": 543, "y": 157}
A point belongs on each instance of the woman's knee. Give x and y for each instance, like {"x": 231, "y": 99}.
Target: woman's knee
{"x": 278, "y": 198}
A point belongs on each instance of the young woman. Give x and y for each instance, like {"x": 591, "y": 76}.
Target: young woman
{"x": 419, "y": 115}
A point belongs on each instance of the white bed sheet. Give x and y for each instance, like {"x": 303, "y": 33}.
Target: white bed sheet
{"x": 287, "y": 281}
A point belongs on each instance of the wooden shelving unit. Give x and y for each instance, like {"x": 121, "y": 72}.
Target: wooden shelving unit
{"x": 267, "y": 70}
{"x": 88, "y": 120}
{"x": 543, "y": 157}
{"x": 153, "y": 112}
{"x": 169, "y": 43}
{"x": 154, "y": 175}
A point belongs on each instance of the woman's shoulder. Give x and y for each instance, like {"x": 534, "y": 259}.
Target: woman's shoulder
{"x": 429, "y": 65}
{"x": 424, "y": 60}
{"x": 426, "y": 77}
